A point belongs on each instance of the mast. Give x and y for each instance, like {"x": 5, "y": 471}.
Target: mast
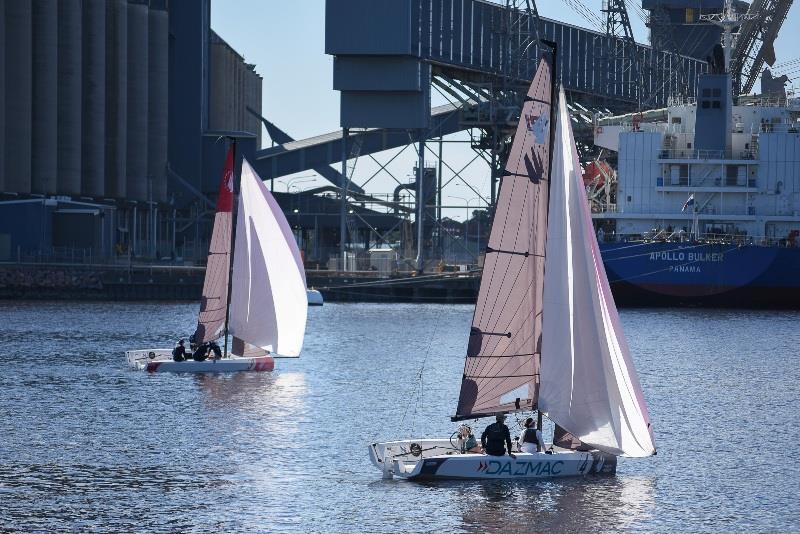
{"x": 234, "y": 209}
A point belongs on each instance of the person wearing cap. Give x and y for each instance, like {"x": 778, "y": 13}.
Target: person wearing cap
{"x": 531, "y": 438}
{"x": 179, "y": 352}
{"x": 496, "y": 439}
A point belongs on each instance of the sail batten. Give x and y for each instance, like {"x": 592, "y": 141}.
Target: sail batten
{"x": 502, "y": 363}
{"x": 589, "y": 387}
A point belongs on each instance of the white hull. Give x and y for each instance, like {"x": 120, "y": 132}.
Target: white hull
{"x": 438, "y": 460}
{"x": 160, "y": 361}
{"x": 314, "y": 297}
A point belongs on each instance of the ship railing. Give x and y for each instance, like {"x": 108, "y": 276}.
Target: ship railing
{"x": 693, "y": 153}
{"x": 681, "y": 236}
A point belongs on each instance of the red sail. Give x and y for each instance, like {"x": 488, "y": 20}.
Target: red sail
{"x": 501, "y": 372}
{"x": 211, "y": 320}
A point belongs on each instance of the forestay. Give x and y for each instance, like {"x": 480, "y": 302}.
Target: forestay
{"x": 213, "y": 305}
{"x": 268, "y": 294}
{"x": 502, "y": 363}
{"x": 589, "y": 385}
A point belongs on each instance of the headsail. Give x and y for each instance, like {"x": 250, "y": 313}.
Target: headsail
{"x": 213, "y": 305}
{"x": 589, "y": 385}
{"x": 268, "y": 295}
{"x": 502, "y": 364}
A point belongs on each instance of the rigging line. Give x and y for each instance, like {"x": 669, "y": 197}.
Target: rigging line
{"x": 664, "y": 269}
{"x": 421, "y": 371}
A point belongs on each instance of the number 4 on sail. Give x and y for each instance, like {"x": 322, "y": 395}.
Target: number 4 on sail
{"x": 546, "y": 335}
{"x": 254, "y": 289}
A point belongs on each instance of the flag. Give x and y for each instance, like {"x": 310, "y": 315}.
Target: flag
{"x": 689, "y": 202}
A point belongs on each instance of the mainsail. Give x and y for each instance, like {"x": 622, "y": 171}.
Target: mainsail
{"x": 502, "y": 364}
{"x": 589, "y": 386}
{"x": 213, "y": 305}
{"x": 268, "y": 296}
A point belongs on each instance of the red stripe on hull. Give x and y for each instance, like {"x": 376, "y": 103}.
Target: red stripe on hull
{"x": 263, "y": 364}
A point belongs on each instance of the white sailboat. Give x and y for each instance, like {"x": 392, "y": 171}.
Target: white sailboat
{"x": 546, "y": 335}
{"x": 254, "y": 288}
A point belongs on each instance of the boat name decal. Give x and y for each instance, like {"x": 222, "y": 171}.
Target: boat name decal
{"x": 687, "y": 256}
{"x": 520, "y": 468}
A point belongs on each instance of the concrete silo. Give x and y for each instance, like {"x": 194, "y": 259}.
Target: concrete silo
{"x": 18, "y": 30}
{"x": 94, "y": 98}
{"x": 45, "y": 97}
{"x": 158, "y": 70}
{"x": 116, "y": 142}
{"x": 69, "y": 97}
{"x": 137, "y": 187}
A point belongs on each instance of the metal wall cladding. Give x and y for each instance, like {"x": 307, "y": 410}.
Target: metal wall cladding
{"x": 158, "y": 73}
{"x": 44, "y": 145}
{"x": 137, "y": 182}
{"x": 381, "y": 73}
{"x": 409, "y": 110}
{"x": 116, "y": 142}
{"x": 93, "y": 131}
{"x": 2, "y": 93}
{"x": 69, "y": 98}
{"x": 371, "y": 27}
{"x": 18, "y": 97}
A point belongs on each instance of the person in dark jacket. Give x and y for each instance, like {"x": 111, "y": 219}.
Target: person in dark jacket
{"x": 201, "y": 353}
{"x": 179, "y": 352}
{"x": 496, "y": 439}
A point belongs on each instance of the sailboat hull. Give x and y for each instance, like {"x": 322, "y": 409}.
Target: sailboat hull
{"x": 439, "y": 460}
{"x": 160, "y": 361}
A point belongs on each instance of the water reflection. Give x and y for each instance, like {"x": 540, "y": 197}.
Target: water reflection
{"x": 570, "y": 505}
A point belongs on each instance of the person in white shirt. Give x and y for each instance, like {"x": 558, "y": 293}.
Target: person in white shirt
{"x": 531, "y": 438}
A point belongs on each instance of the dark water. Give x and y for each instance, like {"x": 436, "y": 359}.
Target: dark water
{"x": 86, "y": 444}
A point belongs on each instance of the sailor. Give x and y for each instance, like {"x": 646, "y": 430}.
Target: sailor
{"x": 531, "y": 438}
{"x": 201, "y": 353}
{"x": 179, "y": 352}
{"x": 213, "y": 347}
{"x": 496, "y": 439}
{"x": 467, "y": 440}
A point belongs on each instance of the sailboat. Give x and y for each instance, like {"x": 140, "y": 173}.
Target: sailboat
{"x": 546, "y": 335}
{"x": 254, "y": 289}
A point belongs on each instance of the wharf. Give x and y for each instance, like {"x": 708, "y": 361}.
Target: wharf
{"x": 64, "y": 281}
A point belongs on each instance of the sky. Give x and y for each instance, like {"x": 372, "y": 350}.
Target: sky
{"x": 286, "y": 41}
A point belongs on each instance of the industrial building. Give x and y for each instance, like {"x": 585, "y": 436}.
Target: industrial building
{"x": 104, "y": 106}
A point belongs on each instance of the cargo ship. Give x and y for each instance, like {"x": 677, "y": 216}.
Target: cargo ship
{"x": 704, "y": 205}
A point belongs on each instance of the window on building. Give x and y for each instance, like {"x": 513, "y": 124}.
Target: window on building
{"x": 630, "y": 199}
{"x": 716, "y": 92}
{"x": 688, "y": 145}
{"x": 676, "y": 120}
{"x": 707, "y": 91}
{"x": 706, "y": 104}
{"x": 689, "y": 15}
{"x": 715, "y": 104}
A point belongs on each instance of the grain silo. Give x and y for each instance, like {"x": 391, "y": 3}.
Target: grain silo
{"x": 158, "y": 69}
{"x": 137, "y": 187}
{"x": 94, "y": 98}
{"x": 69, "y": 97}
{"x": 44, "y": 131}
{"x": 18, "y": 26}
{"x": 116, "y": 141}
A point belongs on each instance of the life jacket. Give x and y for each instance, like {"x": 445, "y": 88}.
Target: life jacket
{"x": 529, "y": 436}
{"x": 496, "y": 439}
{"x": 178, "y": 353}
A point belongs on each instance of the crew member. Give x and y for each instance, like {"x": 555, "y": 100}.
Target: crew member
{"x": 496, "y": 439}
{"x": 201, "y": 354}
{"x": 179, "y": 352}
{"x": 531, "y": 438}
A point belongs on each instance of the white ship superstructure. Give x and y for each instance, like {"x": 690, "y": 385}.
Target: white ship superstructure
{"x": 740, "y": 174}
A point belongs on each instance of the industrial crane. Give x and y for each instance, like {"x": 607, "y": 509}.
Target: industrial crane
{"x": 755, "y": 45}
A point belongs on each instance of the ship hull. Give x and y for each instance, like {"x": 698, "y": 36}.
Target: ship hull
{"x": 718, "y": 275}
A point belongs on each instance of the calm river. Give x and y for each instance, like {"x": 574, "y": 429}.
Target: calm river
{"x": 86, "y": 444}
